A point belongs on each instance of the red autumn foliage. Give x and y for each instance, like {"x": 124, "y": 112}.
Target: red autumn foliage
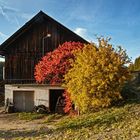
{"x": 54, "y": 65}
{"x": 68, "y": 103}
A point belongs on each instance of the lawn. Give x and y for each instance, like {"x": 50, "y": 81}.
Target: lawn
{"x": 116, "y": 123}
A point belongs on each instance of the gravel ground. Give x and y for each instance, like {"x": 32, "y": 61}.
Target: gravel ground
{"x": 11, "y": 127}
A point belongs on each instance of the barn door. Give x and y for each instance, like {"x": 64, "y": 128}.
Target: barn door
{"x": 23, "y": 100}
{"x": 53, "y": 97}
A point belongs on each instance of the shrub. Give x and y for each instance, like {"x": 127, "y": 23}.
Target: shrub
{"x": 54, "y": 65}
{"x": 97, "y": 75}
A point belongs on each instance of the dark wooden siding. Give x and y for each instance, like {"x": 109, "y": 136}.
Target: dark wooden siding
{"x": 24, "y": 53}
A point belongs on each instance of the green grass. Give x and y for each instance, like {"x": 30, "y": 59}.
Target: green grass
{"x": 48, "y": 118}
{"x": 30, "y": 116}
{"x": 114, "y": 123}
{"x": 52, "y": 118}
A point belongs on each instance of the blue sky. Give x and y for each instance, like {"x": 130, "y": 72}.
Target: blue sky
{"x": 119, "y": 19}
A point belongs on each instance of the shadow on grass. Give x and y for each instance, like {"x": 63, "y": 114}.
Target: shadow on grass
{"x": 109, "y": 116}
{"x": 104, "y": 119}
{"x": 10, "y": 134}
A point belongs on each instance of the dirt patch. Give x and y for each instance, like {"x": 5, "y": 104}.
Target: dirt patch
{"x": 12, "y": 127}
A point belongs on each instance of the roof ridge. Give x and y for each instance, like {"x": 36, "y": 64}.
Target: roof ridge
{"x": 29, "y": 23}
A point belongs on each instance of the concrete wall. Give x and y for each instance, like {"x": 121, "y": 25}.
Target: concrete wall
{"x": 41, "y": 92}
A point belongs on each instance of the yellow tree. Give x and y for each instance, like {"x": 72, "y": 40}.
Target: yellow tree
{"x": 97, "y": 76}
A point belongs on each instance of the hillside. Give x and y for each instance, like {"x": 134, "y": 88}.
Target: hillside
{"x": 117, "y": 123}
{"x": 120, "y": 122}
{"x": 114, "y": 123}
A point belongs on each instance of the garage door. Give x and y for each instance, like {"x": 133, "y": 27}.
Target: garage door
{"x": 23, "y": 100}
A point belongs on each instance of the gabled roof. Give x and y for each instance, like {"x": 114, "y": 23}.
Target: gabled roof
{"x": 27, "y": 25}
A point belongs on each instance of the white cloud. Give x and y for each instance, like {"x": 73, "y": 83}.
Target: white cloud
{"x": 26, "y": 16}
{"x": 17, "y": 22}
{"x": 81, "y": 31}
{"x": 84, "y": 33}
{"x": 3, "y": 13}
{"x": 11, "y": 14}
{"x": 3, "y": 36}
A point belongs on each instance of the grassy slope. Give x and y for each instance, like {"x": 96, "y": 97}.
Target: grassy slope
{"x": 116, "y": 123}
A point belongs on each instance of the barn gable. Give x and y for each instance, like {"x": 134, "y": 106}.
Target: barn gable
{"x": 25, "y": 48}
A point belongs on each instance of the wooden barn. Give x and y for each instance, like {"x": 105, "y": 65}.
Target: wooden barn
{"x": 22, "y": 52}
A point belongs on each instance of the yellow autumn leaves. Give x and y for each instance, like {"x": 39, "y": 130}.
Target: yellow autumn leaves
{"x": 97, "y": 76}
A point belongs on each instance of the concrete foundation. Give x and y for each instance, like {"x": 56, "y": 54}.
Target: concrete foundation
{"x": 41, "y": 95}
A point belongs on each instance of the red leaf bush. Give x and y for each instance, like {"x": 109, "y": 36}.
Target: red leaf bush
{"x": 54, "y": 65}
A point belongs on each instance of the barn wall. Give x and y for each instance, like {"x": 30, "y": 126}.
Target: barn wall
{"x": 25, "y": 52}
{"x": 8, "y": 93}
{"x": 41, "y": 93}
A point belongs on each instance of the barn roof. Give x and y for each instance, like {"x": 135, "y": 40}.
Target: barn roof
{"x": 27, "y": 26}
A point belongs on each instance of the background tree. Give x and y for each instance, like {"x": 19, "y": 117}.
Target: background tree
{"x": 136, "y": 65}
{"x": 97, "y": 75}
{"x": 54, "y": 65}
